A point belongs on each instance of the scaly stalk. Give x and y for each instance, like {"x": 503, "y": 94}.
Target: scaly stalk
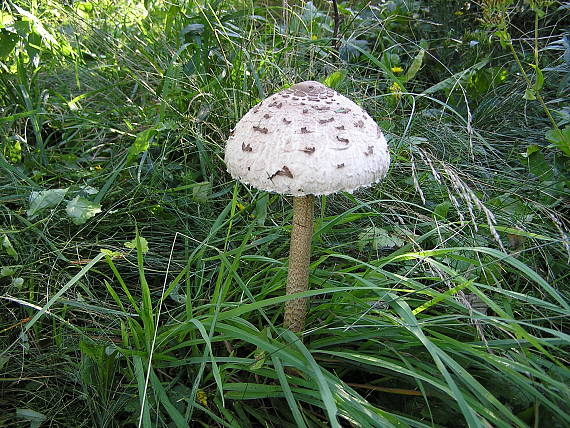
{"x": 299, "y": 260}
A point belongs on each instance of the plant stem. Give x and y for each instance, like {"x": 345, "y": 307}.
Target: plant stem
{"x": 528, "y": 82}
{"x": 336, "y": 41}
{"x": 299, "y": 260}
{"x": 286, "y": 16}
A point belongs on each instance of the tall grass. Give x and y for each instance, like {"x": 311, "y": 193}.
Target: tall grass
{"x": 438, "y": 298}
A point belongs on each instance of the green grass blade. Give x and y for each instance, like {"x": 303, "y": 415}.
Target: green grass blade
{"x": 144, "y": 417}
{"x": 286, "y": 388}
{"x": 326, "y": 394}
{"x": 62, "y": 291}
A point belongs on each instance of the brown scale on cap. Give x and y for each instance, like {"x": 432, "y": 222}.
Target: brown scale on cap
{"x": 321, "y": 108}
{"x": 340, "y": 128}
{"x": 323, "y": 121}
{"x": 309, "y": 150}
{"x": 286, "y": 122}
{"x": 267, "y": 116}
{"x": 342, "y": 140}
{"x": 246, "y": 148}
{"x": 285, "y": 172}
{"x": 359, "y": 124}
{"x": 340, "y": 165}
{"x": 370, "y": 151}
{"x": 305, "y": 110}
{"x": 260, "y": 129}
{"x": 304, "y": 130}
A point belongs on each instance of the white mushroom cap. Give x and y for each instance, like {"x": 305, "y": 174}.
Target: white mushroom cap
{"x": 307, "y": 140}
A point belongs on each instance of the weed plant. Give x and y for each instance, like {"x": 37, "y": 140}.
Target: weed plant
{"x": 140, "y": 286}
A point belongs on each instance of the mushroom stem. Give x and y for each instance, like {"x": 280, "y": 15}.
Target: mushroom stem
{"x": 299, "y": 260}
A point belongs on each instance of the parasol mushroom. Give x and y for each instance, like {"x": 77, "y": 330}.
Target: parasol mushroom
{"x": 305, "y": 141}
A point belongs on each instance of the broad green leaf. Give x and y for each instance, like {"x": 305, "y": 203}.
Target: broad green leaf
{"x": 35, "y": 418}
{"x": 133, "y": 244}
{"x": 539, "y": 82}
{"x": 9, "y": 248}
{"x": 335, "y": 79}
{"x": 504, "y": 38}
{"x": 560, "y": 138}
{"x": 89, "y": 190}
{"x": 415, "y": 66}
{"x": 38, "y": 26}
{"x": 8, "y": 42}
{"x": 45, "y": 199}
{"x": 533, "y": 148}
{"x": 141, "y": 144}
{"x": 261, "y": 209}
{"x": 84, "y": 9}
{"x": 442, "y": 209}
{"x": 6, "y": 19}
{"x": 260, "y": 356}
{"x": 378, "y": 238}
{"x": 80, "y": 209}
{"x": 201, "y": 192}
{"x": 111, "y": 253}
{"x": 390, "y": 59}
{"x": 7, "y": 271}
{"x": 529, "y": 94}
{"x": 539, "y": 166}
{"x": 15, "y": 152}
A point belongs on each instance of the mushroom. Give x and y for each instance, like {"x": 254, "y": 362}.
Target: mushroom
{"x": 292, "y": 151}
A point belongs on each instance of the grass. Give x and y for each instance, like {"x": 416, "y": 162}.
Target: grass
{"x": 438, "y": 298}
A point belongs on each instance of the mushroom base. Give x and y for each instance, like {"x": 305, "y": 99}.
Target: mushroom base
{"x": 299, "y": 260}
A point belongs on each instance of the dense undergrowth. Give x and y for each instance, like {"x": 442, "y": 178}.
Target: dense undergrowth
{"x": 139, "y": 285}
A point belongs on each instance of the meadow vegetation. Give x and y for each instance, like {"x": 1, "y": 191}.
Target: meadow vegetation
{"x": 141, "y": 286}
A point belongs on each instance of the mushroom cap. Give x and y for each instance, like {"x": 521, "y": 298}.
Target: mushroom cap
{"x": 307, "y": 140}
